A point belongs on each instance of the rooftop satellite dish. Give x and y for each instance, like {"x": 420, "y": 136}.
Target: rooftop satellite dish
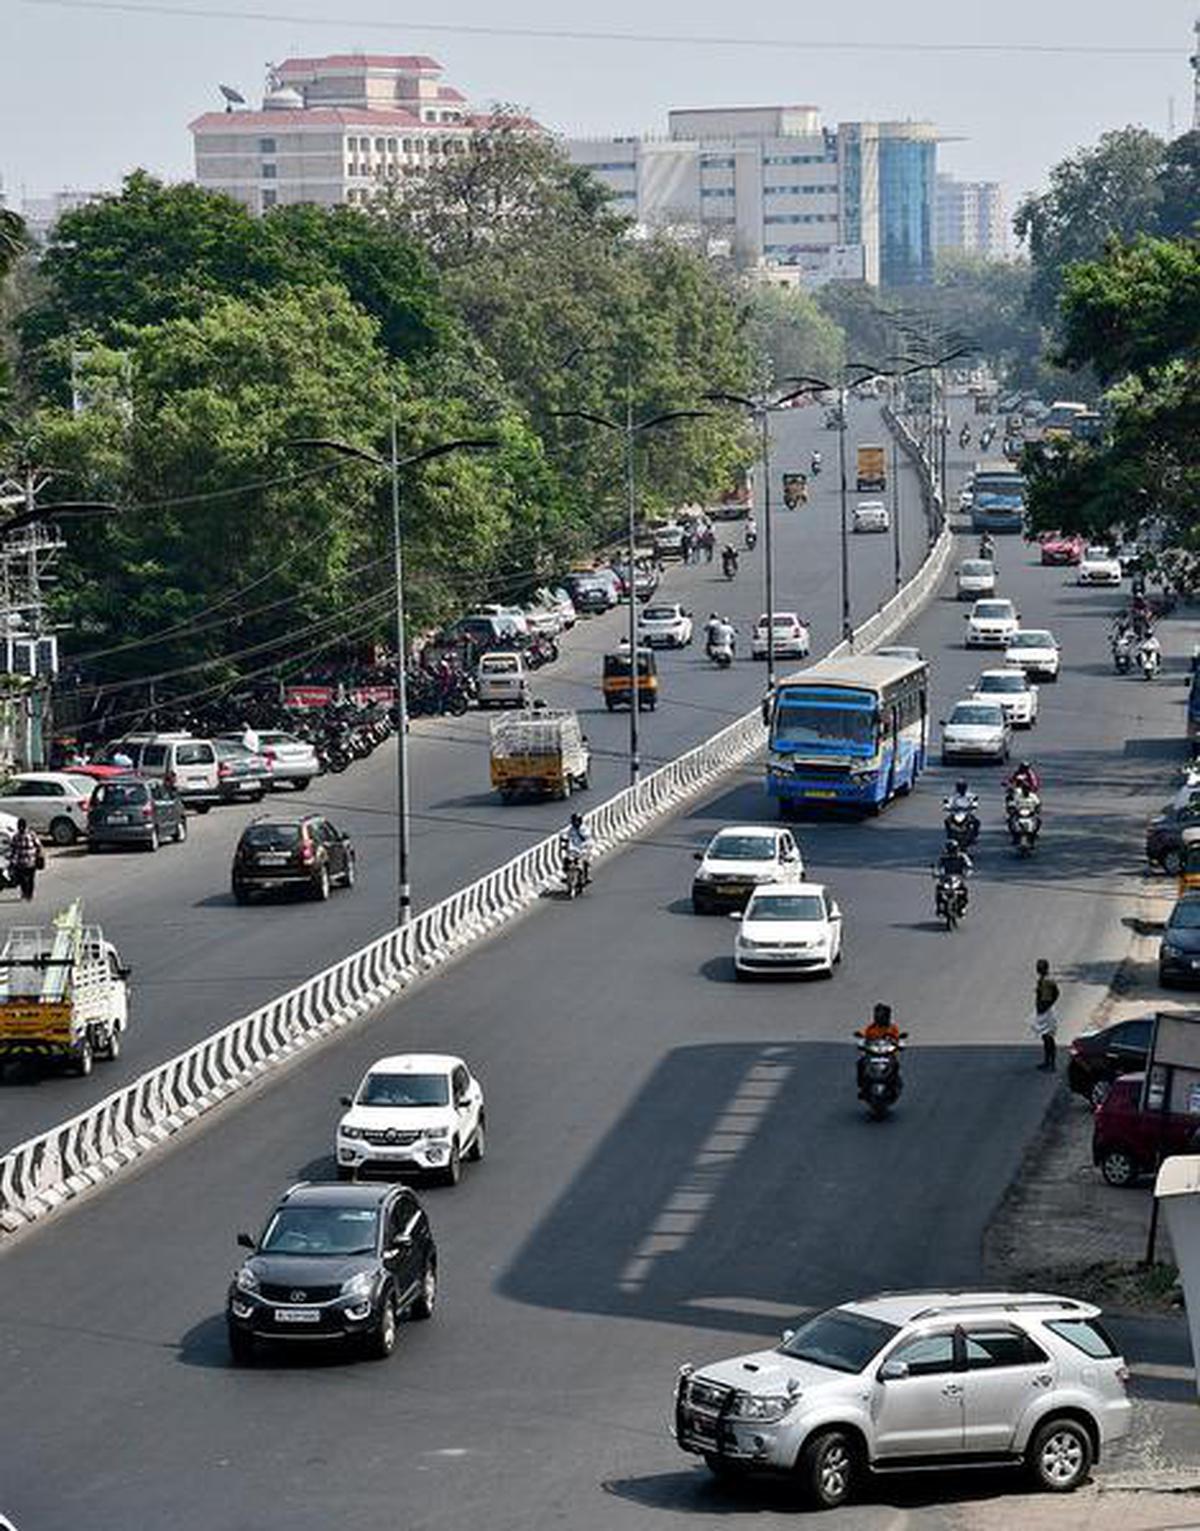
{"x": 232, "y": 97}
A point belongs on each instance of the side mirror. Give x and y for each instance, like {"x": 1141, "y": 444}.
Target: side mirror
{"x": 835, "y": 912}
{"x": 786, "y": 1335}
{"x": 345, "y": 1100}
{"x": 734, "y": 914}
{"x": 893, "y": 1371}
{"x": 244, "y": 1241}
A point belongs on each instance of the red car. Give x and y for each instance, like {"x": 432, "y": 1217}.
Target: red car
{"x": 1062, "y": 548}
{"x": 1128, "y": 1142}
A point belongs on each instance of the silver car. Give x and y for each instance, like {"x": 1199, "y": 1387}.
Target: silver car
{"x": 915, "y": 1380}
{"x": 293, "y": 761}
{"x": 976, "y": 730}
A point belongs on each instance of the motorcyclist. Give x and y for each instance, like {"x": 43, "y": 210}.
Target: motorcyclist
{"x": 577, "y": 841}
{"x": 880, "y": 1028}
{"x": 751, "y": 531}
{"x": 729, "y": 559}
{"x": 815, "y": 465}
{"x": 723, "y": 637}
{"x": 1022, "y": 799}
{"x": 963, "y": 800}
{"x": 954, "y": 862}
{"x": 987, "y": 546}
{"x": 1150, "y": 651}
{"x": 1025, "y": 776}
{"x": 710, "y": 628}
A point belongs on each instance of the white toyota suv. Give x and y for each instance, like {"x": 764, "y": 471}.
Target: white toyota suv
{"x": 413, "y": 1113}
{"x": 911, "y": 1380}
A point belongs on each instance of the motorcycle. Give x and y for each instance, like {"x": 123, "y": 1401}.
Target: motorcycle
{"x": 1122, "y": 653}
{"x": 574, "y": 868}
{"x": 950, "y": 899}
{"x": 729, "y": 562}
{"x": 1023, "y": 827}
{"x": 751, "y": 539}
{"x": 1149, "y": 661}
{"x": 814, "y": 468}
{"x": 961, "y": 826}
{"x": 721, "y": 654}
{"x": 879, "y": 1081}
{"x": 987, "y": 547}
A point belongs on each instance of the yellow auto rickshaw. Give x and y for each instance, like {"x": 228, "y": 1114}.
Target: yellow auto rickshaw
{"x": 1189, "y": 861}
{"x": 616, "y": 683}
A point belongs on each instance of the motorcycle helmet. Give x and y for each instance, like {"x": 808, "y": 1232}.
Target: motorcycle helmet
{"x": 577, "y": 821}
{"x": 961, "y": 787}
{"x": 882, "y": 1015}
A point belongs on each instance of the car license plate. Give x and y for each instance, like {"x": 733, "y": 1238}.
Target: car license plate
{"x": 297, "y": 1316}
{"x": 118, "y": 818}
{"x": 272, "y": 858}
{"x": 819, "y": 792}
{"x": 731, "y": 889}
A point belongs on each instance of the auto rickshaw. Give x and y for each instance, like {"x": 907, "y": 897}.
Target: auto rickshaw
{"x": 1189, "y": 862}
{"x": 616, "y": 683}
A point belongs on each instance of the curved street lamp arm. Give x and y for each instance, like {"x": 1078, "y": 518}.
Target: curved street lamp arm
{"x": 670, "y": 416}
{"x": 464, "y": 444}
{"x": 585, "y": 414}
{"x": 62, "y": 508}
{"x": 342, "y": 447}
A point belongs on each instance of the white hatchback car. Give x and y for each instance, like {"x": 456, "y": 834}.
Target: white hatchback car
{"x": 1099, "y": 566}
{"x": 976, "y": 578}
{"x": 871, "y": 516}
{"x": 1014, "y": 691}
{"x": 413, "y": 1113}
{"x": 664, "y": 626}
{"x": 1036, "y": 651}
{"x": 741, "y": 858}
{"x": 790, "y": 927}
{"x": 976, "y": 730}
{"x": 791, "y": 638}
{"x": 990, "y": 624}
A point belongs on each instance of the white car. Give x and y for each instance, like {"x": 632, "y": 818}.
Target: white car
{"x": 1015, "y": 693}
{"x": 293, "y": 761}
{"x": 668, "y": 626}
{"x": 793, "y": 927}
{"x": 740, "y": 858}
{"x": 413, "y": 1113}
{"x": 991, "y": 624}
{"x": 501, "y": 680}
{"x": 791, "y": 636}
{"x": 668, "y": 539}
{"x": 1036, "y": 651}
{"x": 976, "y": 731}
{"x": 976, "y": 577}
{"x": 1099, "y": 566}
{"x": 53, "y": 803}
{"x": 558, "y": 601}
{"x": 871, "y": 516}
{"x": 966, "y": 498}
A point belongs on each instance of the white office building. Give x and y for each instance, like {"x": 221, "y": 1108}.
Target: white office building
{"x": 970, "y": 218}
{"x": 770, "y": 185}
{"x": 333, "y": 130}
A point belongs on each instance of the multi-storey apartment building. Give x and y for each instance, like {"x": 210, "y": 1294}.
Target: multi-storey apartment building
{"x": 333, "y": 130}
{"x": 770, "y": 184}
{"x": 970, "y": 218}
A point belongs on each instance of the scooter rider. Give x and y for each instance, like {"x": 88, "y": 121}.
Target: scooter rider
{"x": 577, "y": 841}
{"x": 954, "y": 862}
{"x": 723, "y": 636}
{"x": 880, "y": 1028}
{"x": 963, "y": 800}
{"x": 729, "y": 560}
{"x": 751, "y": 531}
{"x": 987, "y": 546}
{"x": 815, "y": 465}
{"x": 710, "y": 628}
{"x": 1022, "y": 799}
{"x": 1024, "y": 776}
{"x": 1150, "y": 653}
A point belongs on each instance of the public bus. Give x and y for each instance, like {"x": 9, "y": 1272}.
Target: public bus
{"x": 850, "y": 732}
{"x": 1060, "y": 421}
{"x": 998, "y": 497}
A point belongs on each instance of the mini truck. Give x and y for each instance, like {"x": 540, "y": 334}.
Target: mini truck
{"x": 871, "y": 469}
{"x": 64, "y": 997}
{"x": 539, "y": 751}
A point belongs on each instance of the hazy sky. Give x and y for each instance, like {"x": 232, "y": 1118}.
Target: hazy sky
{"x": 88, "y": 92}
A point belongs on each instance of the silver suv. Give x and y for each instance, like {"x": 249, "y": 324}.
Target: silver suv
{"x": 909, "y": 1380}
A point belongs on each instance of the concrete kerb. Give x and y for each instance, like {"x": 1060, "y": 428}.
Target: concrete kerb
{"x": 41, "y": 1174}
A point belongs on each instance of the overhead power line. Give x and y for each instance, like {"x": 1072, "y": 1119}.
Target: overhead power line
{"x": 598, "y": 35}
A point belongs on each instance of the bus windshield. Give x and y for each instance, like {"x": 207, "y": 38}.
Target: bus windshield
{"x": 803, "y": 722}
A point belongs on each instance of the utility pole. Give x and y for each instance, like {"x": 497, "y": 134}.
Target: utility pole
{"x": 30, "y": 649}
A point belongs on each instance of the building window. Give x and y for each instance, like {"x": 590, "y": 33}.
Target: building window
{"x": 717, "y": 191}
{"x": 391, "y": 146}
{"x": 716, "y": 162}
{"x": 266, "y": 146}
{"x": 379, "y": 146}
{"x": 269, "y": 172}
{"x": 616, "y": 164}
{"x": 270, "y": 196}
{"x": 408, "y": 146}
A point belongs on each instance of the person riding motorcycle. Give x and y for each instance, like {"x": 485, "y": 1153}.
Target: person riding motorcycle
{"x": 1024, "y": 776}
{"x": 729, "y": 559}
{"x": 722, "y": 636}
{"x": 751, "y": 531}
{"x": 880, "y": 1028}
{"x": 577, "y": 841}
{"x": 954, "y": 862}
{"x": 987, "y": 546}
{"x": 1150, "y": 652}
{"x": 1022, "y": 799}
{"x": 815, "y": 465}
{"x": 710, "y": 627}
{"x": 962, "y": 800}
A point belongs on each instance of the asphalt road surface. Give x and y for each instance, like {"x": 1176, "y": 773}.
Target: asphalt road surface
{"x": 677, "y": 1166}
{"x": 200, "y": 961}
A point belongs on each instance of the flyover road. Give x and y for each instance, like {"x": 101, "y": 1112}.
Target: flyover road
{"x": 677, "y": 1165}
{"x": 200, "y": 961}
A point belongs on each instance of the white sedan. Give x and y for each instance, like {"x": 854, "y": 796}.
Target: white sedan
{"x": 871, "y": 516}
{"x": 791, "y": 636}
{"x": 1036, "y": 651}
{"x": 740, "y": 858}
{"x": 419, "y": 1113}
{"x": 793, "y": 927}
{"x": 1013, "y": 690}
{"x": 666, "y": 626}
{"x": 991, "y": 624}
{"x": 976, "y": 731}
{"x": 1099, "y": 566}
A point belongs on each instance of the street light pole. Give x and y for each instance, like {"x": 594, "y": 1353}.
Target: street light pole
{"x": 896, "y": 560}
{"x": 635, "y": 761}
{"x": 768, "y": 546}
{"x": 843, "y": 403}
{"x": 404, "y": 844}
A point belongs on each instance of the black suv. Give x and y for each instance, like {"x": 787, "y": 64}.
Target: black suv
{"x": 1099, "y": 1057}
{"x": 307, "y": 852}
{"x": 335, "y": 1262}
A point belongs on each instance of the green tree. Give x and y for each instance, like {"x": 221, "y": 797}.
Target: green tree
{"x": 798, "y": 336}
{"x": 1111, "y": 189}
{"x": 1179, "y": 183}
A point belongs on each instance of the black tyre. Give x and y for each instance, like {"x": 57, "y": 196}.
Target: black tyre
{"x": 181, "y": 830}
{"x": 1119, "y": 1167}
{"x": 63, "y": 832}
{"x": 699, "y": 906}
{"x": 81, "y": 1062}
{"x": 1060, "y": 1455}
{"x": 321, "y": 885}
{"x": 111, "y": 1050}
{"x": 241, "y": 895}
{"x": 1098, "y": 1092}
{"x": 425, "y": 1301}
{"x": 345, "y": 1172}
{"x": 827, "y": 1468}
{"x": 452, "y": 1174}
{"x": 152, "y": 842}
{"x": 478, "y": 1146}
{"x": 241, "y": 1346}
{"x": 381, "y": 1341}
{"x": 457, "y": 705}
{"x": 350, "y": 875}
{"x": 1170, "y": 861}
{"x": 723, "y": 1468}
{"x": 300, "y": 783}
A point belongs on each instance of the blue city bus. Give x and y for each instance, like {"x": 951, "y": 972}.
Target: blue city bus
{"x": 998, "y": 498}
{"x": 849, "y": 732}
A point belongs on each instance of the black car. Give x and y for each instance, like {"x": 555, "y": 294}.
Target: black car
{"x": 1164, "y": 833}
{"x": 133, "y": 812}
{"x": 1179, "y": 949}
{"x": 1099, "y": 1057}
{"x": 335, "y": 1262}
{"x": 307, "y": 852}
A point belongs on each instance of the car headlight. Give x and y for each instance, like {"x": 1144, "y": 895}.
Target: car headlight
{"x": 748, "y": 943}
{"x": 350, "y": 1132}
{"x": 1168, "y": 949}
{"x": 246, "y": 1280}
{"x": 357, "y": 1286}
{"x": 766, "y": 1410}
{"x": 703, "y": 876}
{"x": 437, "y": 1132}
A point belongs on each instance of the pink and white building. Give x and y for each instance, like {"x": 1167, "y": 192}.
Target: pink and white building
{"x": 333, "y": 130}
